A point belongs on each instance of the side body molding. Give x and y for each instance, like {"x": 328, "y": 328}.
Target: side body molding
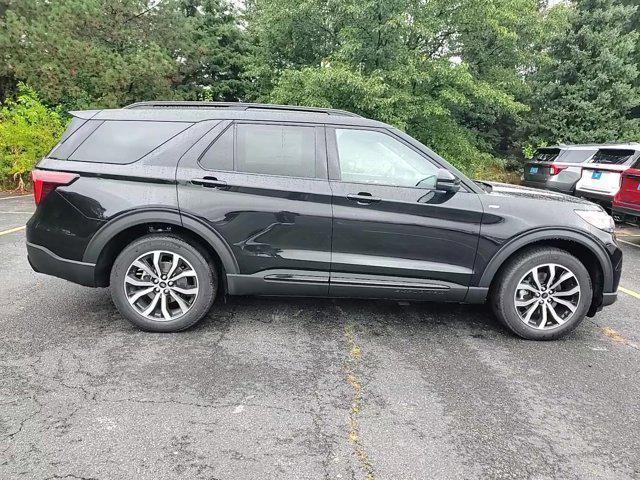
{"x": 160, "y": 215}
{"x": 548, "y": 234}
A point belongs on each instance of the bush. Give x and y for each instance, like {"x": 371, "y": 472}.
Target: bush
{"x": 28, "y": 131}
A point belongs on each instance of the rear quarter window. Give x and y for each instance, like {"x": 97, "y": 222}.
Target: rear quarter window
{"x": 576, "y": 156}
{"x": 77, "y": 131}
{"x": 124, "y": 142}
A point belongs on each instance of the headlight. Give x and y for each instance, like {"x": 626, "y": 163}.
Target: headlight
{"x": 598, "y": 219}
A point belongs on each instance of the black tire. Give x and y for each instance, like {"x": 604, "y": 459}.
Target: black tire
{"x": 207, "y": 281}
{"x": 503, "y": 294}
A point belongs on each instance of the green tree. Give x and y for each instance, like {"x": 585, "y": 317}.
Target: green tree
{"x": 402, "y": 61}
{"x": 587, "y": 89}
{"x": 94, "y": 53}
{"x": 214, "y": 65}
{"x": 28, "y": 131}
{"x": 101, "y": 53}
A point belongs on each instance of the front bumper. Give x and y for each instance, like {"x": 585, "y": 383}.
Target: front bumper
{"x": 609, "y": 298}
{"x": 45, "y": 261}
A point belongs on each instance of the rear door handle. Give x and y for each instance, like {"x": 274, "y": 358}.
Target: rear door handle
{"x": 363, "y": 198}
{"x": 210, "y": 182}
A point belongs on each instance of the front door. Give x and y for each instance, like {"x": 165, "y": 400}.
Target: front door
{"x": 263, "y": 188}
{"x": 394, "y": 234}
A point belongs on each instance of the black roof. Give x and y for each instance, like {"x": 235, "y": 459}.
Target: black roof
{"x": 172, "y": 111}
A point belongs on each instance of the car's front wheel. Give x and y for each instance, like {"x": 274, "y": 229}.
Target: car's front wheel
{"x": 542, "y": 294}
{"x": 161, "y": 283}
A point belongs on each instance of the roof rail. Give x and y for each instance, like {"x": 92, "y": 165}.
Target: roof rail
{"x": 239, "y": 106}
{"x": 603, "y": 144}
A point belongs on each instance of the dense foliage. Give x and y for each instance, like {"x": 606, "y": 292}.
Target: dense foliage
{"x": 478, "y": 81}
{"x": 28, "y": 130}
{"x": 587, "y": 90}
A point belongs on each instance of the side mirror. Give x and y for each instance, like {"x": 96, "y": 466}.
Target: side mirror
{"x": 447, "y": 182}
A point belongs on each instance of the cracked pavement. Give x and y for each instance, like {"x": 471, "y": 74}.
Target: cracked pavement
{"x": 277, "y": 388}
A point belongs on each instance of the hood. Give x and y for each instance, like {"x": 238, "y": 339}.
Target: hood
{"x": 507, "y": 190}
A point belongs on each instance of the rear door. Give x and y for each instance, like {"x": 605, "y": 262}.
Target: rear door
{"x": 394, "y": 235}
{"x": 263, "y": 188}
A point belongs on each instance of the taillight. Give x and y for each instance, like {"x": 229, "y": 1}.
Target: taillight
{"x": 616, "y": 197}
{"x": 45, "y": 182}
{"x": 554, "y": 169}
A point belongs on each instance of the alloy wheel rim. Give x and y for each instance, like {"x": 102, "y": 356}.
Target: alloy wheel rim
{"x": 547, "y": 296}
{"x": 161, "y": 285}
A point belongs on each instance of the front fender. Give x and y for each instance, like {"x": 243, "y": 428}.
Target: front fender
{"x": 485, "y": 278}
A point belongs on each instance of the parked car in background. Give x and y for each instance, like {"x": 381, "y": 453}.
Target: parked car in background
{"x": 601, "y": 178}
{"x": 626, "y": 203}
{"x": 173, "y": 203}
{"x": 557, "y": 168}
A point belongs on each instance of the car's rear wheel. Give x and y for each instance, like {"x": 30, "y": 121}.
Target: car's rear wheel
{"x": 542, "y": 294}
{"x": 162, "y": 283}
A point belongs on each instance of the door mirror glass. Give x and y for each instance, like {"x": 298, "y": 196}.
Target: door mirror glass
{"x": 447, "y": 182}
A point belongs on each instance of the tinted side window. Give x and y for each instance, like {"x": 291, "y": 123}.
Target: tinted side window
{"x": 219, "y": 156}
{"x": 125, "y": 141}
{"x": 576, "y": 156}
{"x": 276, "y": 150}
{"x": 373, "y": 157}
{"x": 69, "y": 144}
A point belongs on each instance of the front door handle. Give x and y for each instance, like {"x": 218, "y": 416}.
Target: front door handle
{"x": 363, "y": 198}
{"x": 210, "y": 182}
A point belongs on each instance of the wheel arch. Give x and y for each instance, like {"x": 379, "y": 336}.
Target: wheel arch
{"x": 587, "y": 250}
{"x": 109, "y": 241}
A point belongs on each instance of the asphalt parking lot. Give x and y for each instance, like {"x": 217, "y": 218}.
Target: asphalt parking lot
{"x": 308, "y": 389}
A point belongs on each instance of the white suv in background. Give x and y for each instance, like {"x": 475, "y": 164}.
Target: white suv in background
{"x": 600, "y": 180}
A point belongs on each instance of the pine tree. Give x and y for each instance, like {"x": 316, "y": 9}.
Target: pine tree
{"x": 589, "y": 89}
{"x": 215, "y": 66}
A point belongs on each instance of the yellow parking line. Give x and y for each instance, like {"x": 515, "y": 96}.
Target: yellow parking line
{"x": 15, "y": 196}
{"x": 628, "y": 243}
{"x": 630, "y": 292}
{"x": 12, "y": 230}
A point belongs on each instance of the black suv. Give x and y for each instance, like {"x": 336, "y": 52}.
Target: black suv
{"x": 175, "y": 203}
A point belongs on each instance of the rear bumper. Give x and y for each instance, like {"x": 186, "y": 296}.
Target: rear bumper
{"x": 601, "y": 198}
{"x": 45, "y": 261}
{"x": 549, "y": 184}
{"x": 631, "y": 212}
{"x": 559, "y": 187}
{"x": 532, "y": 184}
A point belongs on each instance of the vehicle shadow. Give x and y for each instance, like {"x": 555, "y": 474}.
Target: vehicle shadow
{"x": 375, "y": 315}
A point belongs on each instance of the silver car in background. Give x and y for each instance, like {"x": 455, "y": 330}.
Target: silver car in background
{"x": 557, "y": 168}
